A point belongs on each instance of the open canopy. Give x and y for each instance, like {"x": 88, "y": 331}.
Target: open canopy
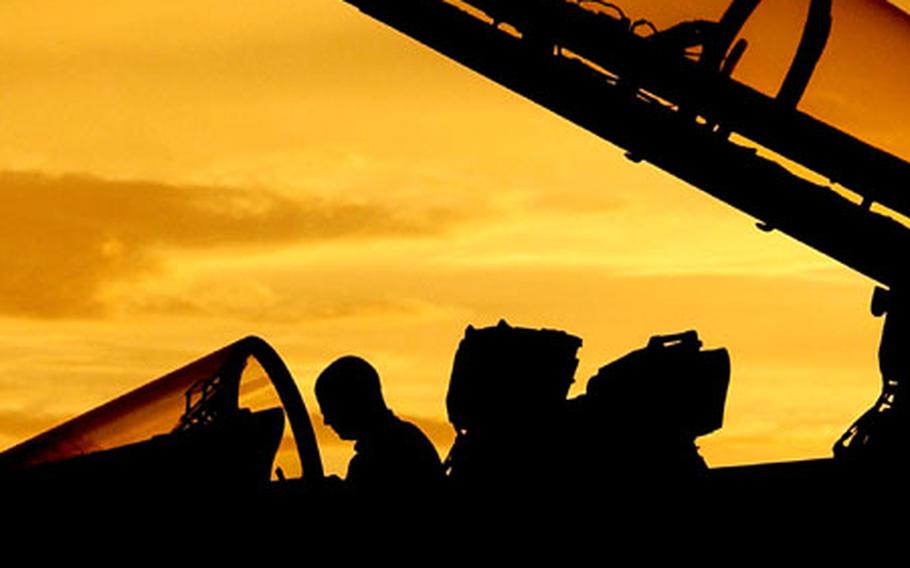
{"x": 859, "y": 82}
{"x": 684, "y": 87}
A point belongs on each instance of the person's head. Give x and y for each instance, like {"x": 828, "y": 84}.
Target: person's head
{"x": 350, "y": 397}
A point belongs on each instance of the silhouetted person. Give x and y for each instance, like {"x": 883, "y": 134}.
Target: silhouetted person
{"x": 393, "y": 459}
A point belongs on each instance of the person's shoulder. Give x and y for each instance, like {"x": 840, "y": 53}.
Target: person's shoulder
{"x": 408, "y": 429}
{"x": 411, "y": 435}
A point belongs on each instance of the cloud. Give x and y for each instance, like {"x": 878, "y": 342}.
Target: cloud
{"x": 256, "y": 301}
{"x": 16, "y": 426}
{"x": 63, "y": 239}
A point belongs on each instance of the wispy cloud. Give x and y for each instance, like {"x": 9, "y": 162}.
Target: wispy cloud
{"x": 16, "y": 425}
{"x": 62, "y": 239}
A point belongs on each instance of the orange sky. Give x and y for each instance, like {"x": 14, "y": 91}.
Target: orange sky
{"x": 177, "y": 175}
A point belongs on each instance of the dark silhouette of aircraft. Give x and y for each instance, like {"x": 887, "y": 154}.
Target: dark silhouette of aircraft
{"x": 666, "y": 97}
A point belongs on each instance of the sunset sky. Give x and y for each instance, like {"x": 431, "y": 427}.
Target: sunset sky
{"x": 177, "y": 175}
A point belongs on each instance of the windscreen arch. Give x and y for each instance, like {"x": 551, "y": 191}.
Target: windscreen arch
{"x": 235, "y": 414}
